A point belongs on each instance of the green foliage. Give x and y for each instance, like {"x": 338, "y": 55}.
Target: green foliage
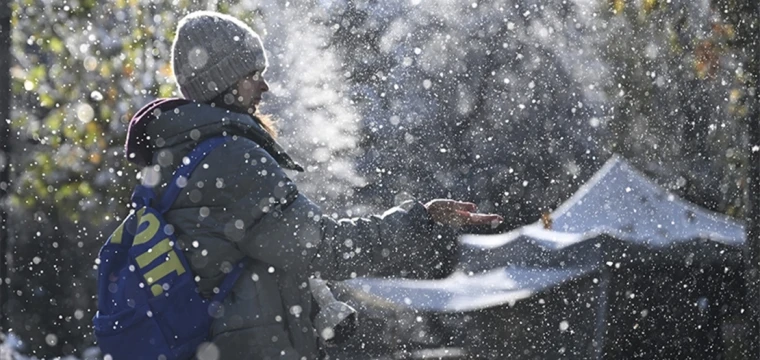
{"x": 79, "y": 72}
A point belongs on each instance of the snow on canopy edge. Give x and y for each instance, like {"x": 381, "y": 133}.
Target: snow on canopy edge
{"x": 618, "y": 161}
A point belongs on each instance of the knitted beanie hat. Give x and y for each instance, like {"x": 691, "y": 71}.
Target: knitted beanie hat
{"x": 212, "y": 52}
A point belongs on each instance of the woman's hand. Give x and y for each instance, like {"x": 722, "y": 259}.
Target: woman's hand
{"x": 457, "y": 213}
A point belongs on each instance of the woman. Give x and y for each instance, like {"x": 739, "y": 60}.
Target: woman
{"x": 241, "y": 203}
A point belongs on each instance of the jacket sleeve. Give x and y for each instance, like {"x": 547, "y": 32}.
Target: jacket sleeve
{"x": 287, "y": 230}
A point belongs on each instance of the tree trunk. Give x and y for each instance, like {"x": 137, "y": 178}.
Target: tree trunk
{"x": 5, "y": 138}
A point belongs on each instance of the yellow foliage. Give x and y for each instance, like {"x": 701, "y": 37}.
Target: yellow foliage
{"x": 105, "y": 70}
{"x": 36, "y": 74}
{"x": 54, "y": 120}
{"x": 113, "y": 93}
{"x": 64, "y": 192}
{"x": 44, "y": 163}
{"x": 128, "y": 70}
{"x": 649, "y": 6}
{"x": 56, "y": 45}
{"x": 46, "y": 100}
{"x": 166, "y": 70}
{"x": 724, "y": 30}
{"x": 85, "y": 189}
{"x": 706, "y": 59}
{"x": 734, "y": 96}
{"x": 165, "y": 90}
{"x": 729, "y": 31}
{"x": 92, "y": 134}
{"x": 14, "y": 14}
{"x": 70, "y": 132}
{"x": 92, "y": 128}
{"x": 618, "y": 6}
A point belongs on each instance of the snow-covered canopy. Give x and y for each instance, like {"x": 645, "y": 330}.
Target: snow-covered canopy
{"x": 460, "y": 292}
{"x": 622, "y": 202}
{"x": 619, "y": 215}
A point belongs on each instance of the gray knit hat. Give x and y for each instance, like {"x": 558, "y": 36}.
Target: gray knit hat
{"x": 212, "y": 52}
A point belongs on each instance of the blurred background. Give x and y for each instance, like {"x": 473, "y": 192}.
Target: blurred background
{"x": 511, "y": 104}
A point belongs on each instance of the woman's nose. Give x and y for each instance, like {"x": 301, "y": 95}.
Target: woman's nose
{"x": 264, "y": 86}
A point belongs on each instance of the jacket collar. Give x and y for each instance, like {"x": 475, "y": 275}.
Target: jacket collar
{"x": 169, "y": 122}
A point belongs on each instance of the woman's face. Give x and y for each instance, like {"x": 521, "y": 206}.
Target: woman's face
{"x": 250, "y": 89}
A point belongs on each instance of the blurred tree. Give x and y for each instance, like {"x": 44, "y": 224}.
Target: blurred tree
{"x": 508, "y": 103}
{"x": 75, "y": 78}
{"x": 738, "y": 24}
{"x": 5, "y": 137}
{"x": 668, "y": 79}
{"x": 79, "y": 72}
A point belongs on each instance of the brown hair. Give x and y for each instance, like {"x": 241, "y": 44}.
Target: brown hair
{"x": 267, "y": 123}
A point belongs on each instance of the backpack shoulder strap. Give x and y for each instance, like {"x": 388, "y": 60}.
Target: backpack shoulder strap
{"x": 229, "y": 281}
{"x": 189, "y": 163}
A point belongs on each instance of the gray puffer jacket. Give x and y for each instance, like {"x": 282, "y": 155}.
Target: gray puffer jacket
{"x": 240, "y": 203}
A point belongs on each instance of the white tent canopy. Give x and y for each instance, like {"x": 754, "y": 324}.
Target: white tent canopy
{"x": 461, "y": 292}
{"x": 622, "y": 202}
{"x": 619, "y": 214}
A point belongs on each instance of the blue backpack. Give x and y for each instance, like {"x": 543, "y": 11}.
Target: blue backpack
{"x": 149, "y": 306}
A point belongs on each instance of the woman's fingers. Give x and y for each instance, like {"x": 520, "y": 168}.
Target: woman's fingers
{"x": 466, "y": 206}
{"x": 485, "y": 219}
{"x": 446, "y": 204}
{"x": 469, "y": 218}
{"x": 459, "y": 213}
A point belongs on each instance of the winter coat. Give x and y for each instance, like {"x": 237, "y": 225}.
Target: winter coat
{"x": 240, "y": 203}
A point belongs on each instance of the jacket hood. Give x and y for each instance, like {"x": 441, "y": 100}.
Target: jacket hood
{"x": 169, "y": 122}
